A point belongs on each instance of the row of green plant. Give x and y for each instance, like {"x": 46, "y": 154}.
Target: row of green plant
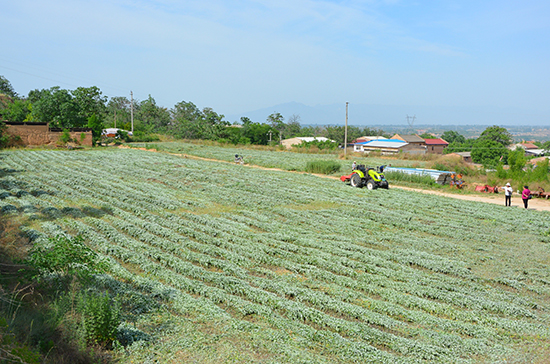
{"x": 424, "y": 180}
{"x": 325, "y": 167}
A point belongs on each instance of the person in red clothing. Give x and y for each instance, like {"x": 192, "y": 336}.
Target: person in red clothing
{"x": 525, "y": 195}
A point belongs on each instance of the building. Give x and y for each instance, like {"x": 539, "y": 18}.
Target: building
{"x": 411, "y": 139}
{"x": 466, "y": 156}
{"x": 435, "y": 146}
{"x": 387, "y": 146}
{"x": 524, "y": 145}
{"x": 288, "y": 143}
{"x": 367, "y": 138}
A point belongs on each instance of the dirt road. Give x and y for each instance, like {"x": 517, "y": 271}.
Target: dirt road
{"x": 498, "y": 199}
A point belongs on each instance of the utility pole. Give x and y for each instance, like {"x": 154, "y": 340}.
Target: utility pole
{"x": 346, "y": 132}
{"x": 132, "y": 110}
{"x": 270, "y": 133}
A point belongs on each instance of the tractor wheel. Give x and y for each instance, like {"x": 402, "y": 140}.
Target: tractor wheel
{"x": 370, "y": 185}
{"x": 385, "y": 185}
{"x": 355, "y": 180}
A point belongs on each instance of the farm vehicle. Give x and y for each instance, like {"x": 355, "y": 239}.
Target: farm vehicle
{"x": 366, "y": 176}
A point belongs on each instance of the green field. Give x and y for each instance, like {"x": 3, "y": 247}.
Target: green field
{"x": 222, "y": 263}
{"x": 282, "y": 159}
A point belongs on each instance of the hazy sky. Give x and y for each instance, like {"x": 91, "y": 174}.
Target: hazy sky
{"x": 242, "y": 55}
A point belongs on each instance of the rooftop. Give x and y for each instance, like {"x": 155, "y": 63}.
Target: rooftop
{"x": 436, "y": 142}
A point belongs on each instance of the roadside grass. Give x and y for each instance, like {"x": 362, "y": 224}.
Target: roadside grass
{"x": 26, "y": 331}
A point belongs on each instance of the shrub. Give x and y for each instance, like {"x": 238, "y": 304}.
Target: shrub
{"x": 326, "y": 167}
{"x": 65, "y": 136}
{"x": 100, "y": 318}
{"x": 66, "y": 258}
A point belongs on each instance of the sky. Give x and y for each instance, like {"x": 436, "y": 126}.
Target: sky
{"x": 245, "y": 55}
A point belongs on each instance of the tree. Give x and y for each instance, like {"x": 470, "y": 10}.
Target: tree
{"x": 213, "y": 125}
{"x": 455, "y": 146}
{"x": 6, "y": 88}
{"x": 277, "y": 122}
{"x": 17, "y": 111}
{"x": 497, "y": 134}
{"x": 187, "y": 118}
{"x": 118, "y": 112}
{"x": 57, "y": 107}
{"x": 517, "y": 161}
{"x": 292, "y": 127}
{"x": 451, "y": 136}
{"x": 90, "y": 102}
{"x": 257, "y": 133}
{"x": 95, "y": 123}
{"x": 427, "y": 136}
{"x": 489, "y": 152}
{"x": 154, "y": 118}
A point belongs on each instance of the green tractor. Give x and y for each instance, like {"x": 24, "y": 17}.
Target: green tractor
{"x": 365, "y": 176}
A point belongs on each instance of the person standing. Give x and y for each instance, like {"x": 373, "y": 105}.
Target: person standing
{"x": 508, "y": 194}
{"x": 353, "y": 166}
{"x": 525, "y": 196}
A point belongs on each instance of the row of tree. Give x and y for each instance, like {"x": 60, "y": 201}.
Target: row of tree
{"x": 491, "y": 148}
{"x": 87, "y": 107}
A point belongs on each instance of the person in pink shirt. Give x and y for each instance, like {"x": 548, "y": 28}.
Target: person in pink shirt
{"x": 525, "y": 195}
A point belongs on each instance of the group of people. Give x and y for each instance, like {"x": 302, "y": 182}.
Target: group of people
{"x": 508, "y": 190}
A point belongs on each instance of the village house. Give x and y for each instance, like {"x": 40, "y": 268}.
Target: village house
{"x": 414, "y": 140}
{"x": 387, "y": 146}
{"x": 435, "y": 146}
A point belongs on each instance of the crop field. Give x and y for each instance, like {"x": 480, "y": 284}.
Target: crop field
{"x": 221, "y": 263}
{"x": 289, "y": 161}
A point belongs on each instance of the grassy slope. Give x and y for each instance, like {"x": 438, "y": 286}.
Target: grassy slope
{"x": 251, "y": 265}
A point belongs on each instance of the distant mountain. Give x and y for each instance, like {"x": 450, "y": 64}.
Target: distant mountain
{"x": 363, "y": 114}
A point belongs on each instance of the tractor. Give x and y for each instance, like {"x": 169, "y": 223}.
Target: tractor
{"x": 366, "y": 176}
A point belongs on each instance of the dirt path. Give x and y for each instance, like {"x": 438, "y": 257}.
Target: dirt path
{"x": 498, "y": 199}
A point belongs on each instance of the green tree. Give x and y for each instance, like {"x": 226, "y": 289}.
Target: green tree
{"x": 57, "y": 107}
{"x": 427, "y": 136}
{"x": 497, "y": 134}
{"x": 187, "y": 119}
{"x": 451, "y": 136}
{"x": 214, "y": 127}
{"x": 337, "y": 133}
{"x": 516, "y": 162}
{"x": 277, "y": 122}
{"x": 90, "y": 101}
{"x": 17, "y": 110}
{"x": 489, "y": 152}
{"x": 118, "y": 112}
{"x": 154, "y": 118}
{"x": 6, "y": 88}
{"x": 95, "y": 123}
{"x": 257, "y": 133}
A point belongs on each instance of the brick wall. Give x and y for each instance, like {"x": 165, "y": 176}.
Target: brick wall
{"x": 35, "y": 134}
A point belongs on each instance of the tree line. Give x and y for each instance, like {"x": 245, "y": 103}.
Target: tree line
{"x": 87, "y": 107}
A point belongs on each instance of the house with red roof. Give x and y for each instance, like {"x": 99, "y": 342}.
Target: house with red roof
{"x": 435, "y": 146}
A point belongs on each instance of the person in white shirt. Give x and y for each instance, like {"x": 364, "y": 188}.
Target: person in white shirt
{"x": 508, "y": 194}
